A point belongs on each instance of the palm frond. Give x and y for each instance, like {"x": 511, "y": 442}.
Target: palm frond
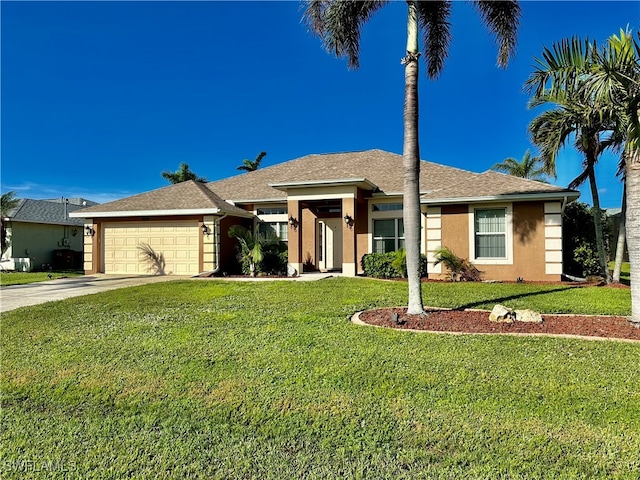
{"x": 338, "y": 25}
{"x": 436, "y": 33}
{"x": 502, "y": 19}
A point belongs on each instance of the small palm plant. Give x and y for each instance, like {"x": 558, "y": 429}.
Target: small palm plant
{"x": 253, "y": 246}
{"x": 399, "y": 263}
{"x": 8, "y": 201}
{"x": 459, "y": 268}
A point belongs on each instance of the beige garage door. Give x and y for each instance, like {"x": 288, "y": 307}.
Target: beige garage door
{"x": 175, "y": 243}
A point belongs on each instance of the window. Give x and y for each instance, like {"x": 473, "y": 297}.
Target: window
{"x": 279, "y": 228}
{"x": 490, "y": 233}
{"x": 386, "y": 207}
{"x": 388, "y": 235}
{"x": 272, "y": 211}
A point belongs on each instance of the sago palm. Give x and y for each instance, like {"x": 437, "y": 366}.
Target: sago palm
{"x": 338, "y": 24}
{"x": 529, "y": 167}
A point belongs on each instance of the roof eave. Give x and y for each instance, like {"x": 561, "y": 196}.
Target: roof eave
{"x": 359, "y": 182}
{"x": 147, "y": 213}
{"x": 568, "y": 195}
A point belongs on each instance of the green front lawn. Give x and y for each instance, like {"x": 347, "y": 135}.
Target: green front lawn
{"x": 211, "y": 379}
{"x": 625, "y": 272}
{"x": 20, "y": 278}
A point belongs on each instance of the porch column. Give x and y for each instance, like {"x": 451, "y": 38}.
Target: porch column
{"x": 295, "y": 235}
{"x": 349, "y": 261}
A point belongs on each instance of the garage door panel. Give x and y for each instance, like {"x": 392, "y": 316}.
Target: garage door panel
{"x": 177, "y": 241}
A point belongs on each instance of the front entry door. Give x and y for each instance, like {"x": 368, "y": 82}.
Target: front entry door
{"x": 330, "y": 243}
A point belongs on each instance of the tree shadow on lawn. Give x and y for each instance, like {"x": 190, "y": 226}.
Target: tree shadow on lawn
{"x": 513, "y": 297}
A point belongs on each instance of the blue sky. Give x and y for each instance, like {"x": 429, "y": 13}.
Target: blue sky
{"x": 98, "y": 98}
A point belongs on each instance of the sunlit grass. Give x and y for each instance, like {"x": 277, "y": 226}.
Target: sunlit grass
{"x": 210, "y": 379}
{"x": 625, "y": 272}
{"x": 20, "y": 278}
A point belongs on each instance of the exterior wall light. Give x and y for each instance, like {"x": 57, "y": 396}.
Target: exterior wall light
{"x": 89, "y": 231}
{"x": 348, "y": 220}
{"x": 206, "y": 230}
{"x": 294, "y": 223}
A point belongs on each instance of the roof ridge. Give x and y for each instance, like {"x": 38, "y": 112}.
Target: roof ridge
{"x": 493, "y": 172}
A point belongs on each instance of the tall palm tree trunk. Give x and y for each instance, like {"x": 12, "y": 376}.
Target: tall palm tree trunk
{"x": 597, "y": 221}
{"x": 621, "y": 237}
{"x": 411, "y": 164}
{"x": 633, "y": 230}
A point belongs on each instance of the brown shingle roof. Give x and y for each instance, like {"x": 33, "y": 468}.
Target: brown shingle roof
{"x": 383, "y": 169}
{"x": 493, "y": 185}
{"x": 187, "y": 195}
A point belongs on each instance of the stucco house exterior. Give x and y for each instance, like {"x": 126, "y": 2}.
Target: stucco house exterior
{"x": 42, "y": 234}
{"x": 332, "y": 209}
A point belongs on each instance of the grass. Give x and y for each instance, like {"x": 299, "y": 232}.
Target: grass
{"x": 625, "y": 272}
{"x": 210, "y": 379}
{"x": 21, "y": 278}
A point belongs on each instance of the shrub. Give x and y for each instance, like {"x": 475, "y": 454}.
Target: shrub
{"x": 587, "y": 257}
{"x": 380, "y": 265}
{"x": 459, "y": 268}
{"x": 579, "y": 238}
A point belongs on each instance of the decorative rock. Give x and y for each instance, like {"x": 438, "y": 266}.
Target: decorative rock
{"x": 528, "y": 316}
{"x": 501, "y": 314}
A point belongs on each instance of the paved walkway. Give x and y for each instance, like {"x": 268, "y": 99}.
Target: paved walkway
{"x": 16, "y": 296}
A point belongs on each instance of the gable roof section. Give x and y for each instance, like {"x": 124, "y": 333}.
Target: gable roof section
{"x": 44, "y": 211}
{"x": 183, "y": 198}
{"x": 494, "y": 186}
{"x": 377, "y": 167}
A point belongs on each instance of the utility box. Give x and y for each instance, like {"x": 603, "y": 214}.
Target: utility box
{"x": 63, "y": 259}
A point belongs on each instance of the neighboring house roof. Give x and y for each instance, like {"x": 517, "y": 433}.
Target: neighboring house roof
{"x": 382, "y": 172}
{"x": 612, "y": 212}
{"x": 179, "y": 199}
{"x": 45, "y": 211}
{"x": 376, "y": 167}
{"x": 492, "y": 186}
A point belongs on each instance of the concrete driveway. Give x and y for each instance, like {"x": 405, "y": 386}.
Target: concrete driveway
{"x": 16, "y": 296}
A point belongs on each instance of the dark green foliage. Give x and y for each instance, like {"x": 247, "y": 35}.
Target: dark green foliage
{"x": 399, "y": 263}
{"x": 380, "y": 265}
{"x": 260, "y": 253}
{"x": 459, "y": 268}
{"x": 580, "y": 252}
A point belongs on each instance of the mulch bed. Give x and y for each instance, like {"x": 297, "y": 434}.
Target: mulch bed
{"x": 473, "y": 321}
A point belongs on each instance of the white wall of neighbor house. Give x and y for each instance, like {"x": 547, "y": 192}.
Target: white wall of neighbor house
{"x": 32, "y": 244}
{"x": 553, "y": 238}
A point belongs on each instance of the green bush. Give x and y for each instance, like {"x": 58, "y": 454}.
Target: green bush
{"x": 579, "y": 238}
{"x": 380, "y": 265}
{"x": 587, "y": 257}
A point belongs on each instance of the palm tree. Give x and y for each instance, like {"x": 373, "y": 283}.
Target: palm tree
{"x": 338, "y": 23}
{"x": 612, "y": 76}
{"x": 253, "y": 246}
{"x": 182, "y": 175}
{"x": 250, "y": 166}
{"x": 529, "y": 167}
{"x": 8, "y": 201}
{"x": 576, "y": 116}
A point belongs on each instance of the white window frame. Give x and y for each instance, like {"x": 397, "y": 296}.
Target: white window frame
{"x": 396, "y": 236}
{"x": 508, "y": 219}
{"x": 278, "y": 218}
